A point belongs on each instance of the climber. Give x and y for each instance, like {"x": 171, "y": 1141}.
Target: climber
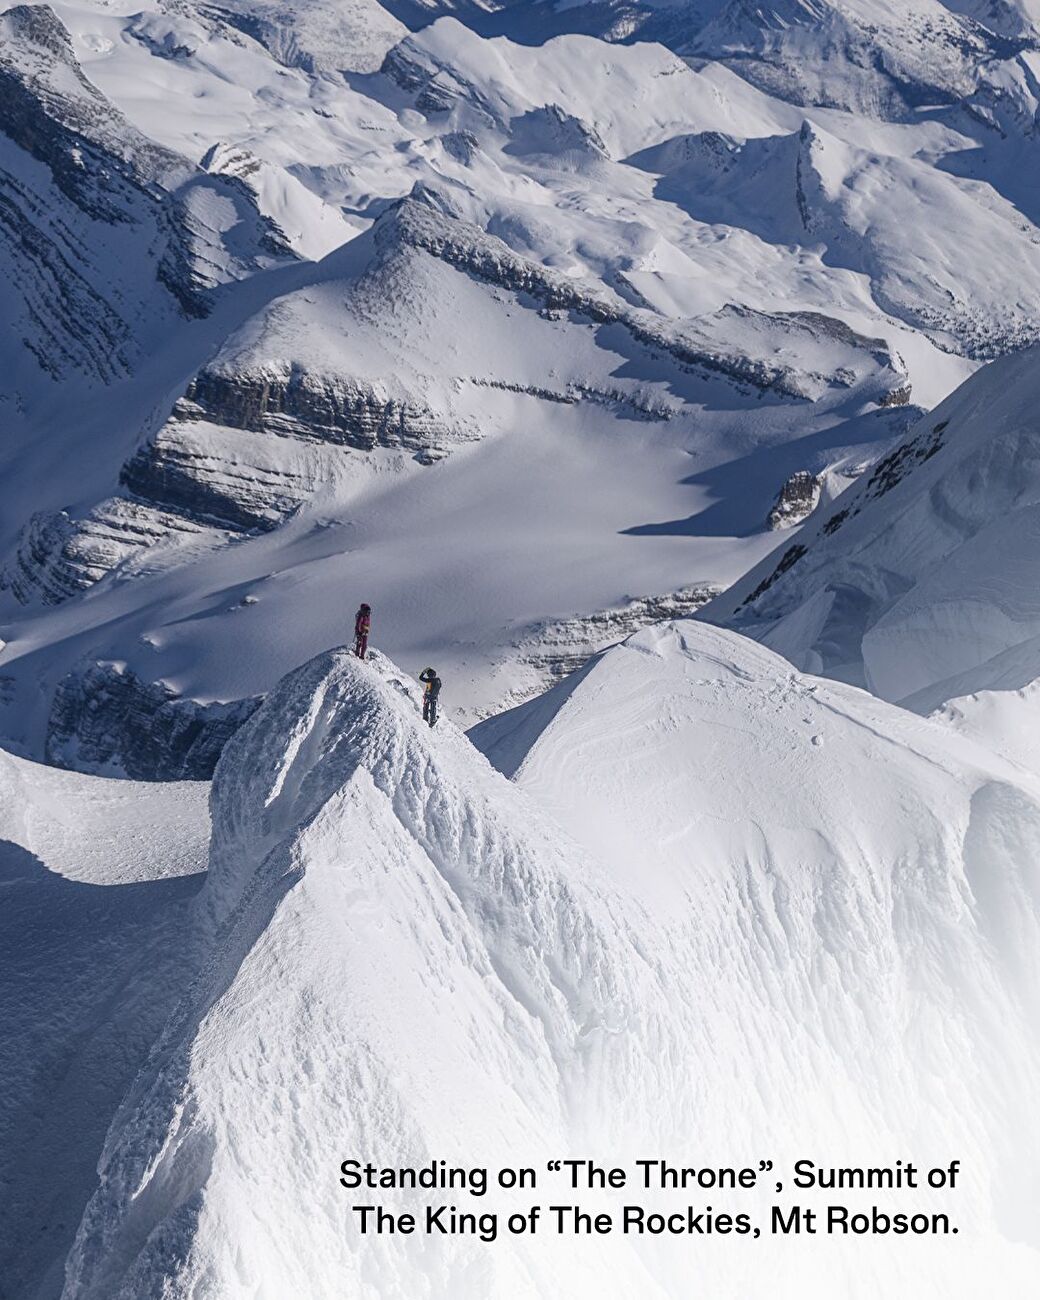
{"x": 362, "y": 622}
{"x": 432, "y": 684}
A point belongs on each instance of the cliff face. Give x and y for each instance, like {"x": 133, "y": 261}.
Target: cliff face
{"x": 58, "y": 556}
{"x": 263, "y": 427}
{"x": 563, "y": 317}
{"x": 341, "y": 410}
{"x": 916, "y": 582}
{"x": 106, "y": 719}
{"x": 104, "y": 234}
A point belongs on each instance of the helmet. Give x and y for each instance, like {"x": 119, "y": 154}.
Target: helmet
{"x": 366, "y": 609}
{"x": 428, "y": 674}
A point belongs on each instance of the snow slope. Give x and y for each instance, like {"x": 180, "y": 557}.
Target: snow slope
{"x": 518, "y": 340}
{"x": 881, "y": 57}
{"x": 408, "y": 960}
{"x": 919, "y": 581}
{"x": 328, "y": 409}
{"x": 95, "y": 878}
{"x": 403, "y": 962}
{"x": 843, "y": 883}
{"x": 108, "y": 238}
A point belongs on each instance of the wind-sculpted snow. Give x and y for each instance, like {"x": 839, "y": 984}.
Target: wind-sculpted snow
{"x": 96, "y": 878}
{"x": 553, "y": 650}
{"x": 424, "y": 968}
{"x": 841, "y": 867}
{"x": 918, "y": 581}
{"x": 577, "y": 318}
{"x": 403, "y": 959}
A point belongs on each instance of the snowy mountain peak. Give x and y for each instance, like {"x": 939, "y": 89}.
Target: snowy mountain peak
{"x": 866, "y": 56}
{"x": 530, "y": 331}
{"x": 403, "y": 943}
{"x": 363, "y": 869}
{"x": 52, "y": 110}
{"x": 653, "y": 268}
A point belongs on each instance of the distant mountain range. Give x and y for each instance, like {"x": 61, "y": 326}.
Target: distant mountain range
{"x": 399, "y": 308}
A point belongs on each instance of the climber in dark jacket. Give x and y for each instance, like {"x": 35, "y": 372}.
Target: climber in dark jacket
{"x": 362, "y": 623}
{"x": 432, "y": 689}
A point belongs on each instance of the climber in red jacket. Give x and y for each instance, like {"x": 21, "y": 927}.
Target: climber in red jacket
{"x": 362, "y": 623}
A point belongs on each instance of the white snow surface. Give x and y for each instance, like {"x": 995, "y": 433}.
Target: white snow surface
{"x": 95, "y": 879}
{"x": 919, "y": 580}
{"x": 722, "y": 909}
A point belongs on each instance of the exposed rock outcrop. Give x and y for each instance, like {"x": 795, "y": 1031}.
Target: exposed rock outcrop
{"x": 58, "y": 556}
{"x": 905, "y": 58}
{"x": 211, "y": 477}
{"x": 106, "y": 719}
{"x": 264, "y": 426}
{"x": 103, "y": 232}
{"x": 291, "y": 401}
{"x": 225, "y": 458}
{"x": 797, "y": 499}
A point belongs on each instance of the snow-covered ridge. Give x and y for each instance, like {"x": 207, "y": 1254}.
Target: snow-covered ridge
{"x": 860, "y": 205}
{"x": 551, "y": 309}
{"x": 553, "y": 649}
{"x": 865, "y": 55}
{"x": 96, "y": 878}
{"x": 702, "y": 343}
{"x": 917, "y": 582}
{"x": 259, "y": 431}
{"x": 434, "y": 953}
{"x": 350, "y": 36}
{"x": 403, "y": 943}
{"x": 42, "y": 79}
{"x": 577, "y": 314}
